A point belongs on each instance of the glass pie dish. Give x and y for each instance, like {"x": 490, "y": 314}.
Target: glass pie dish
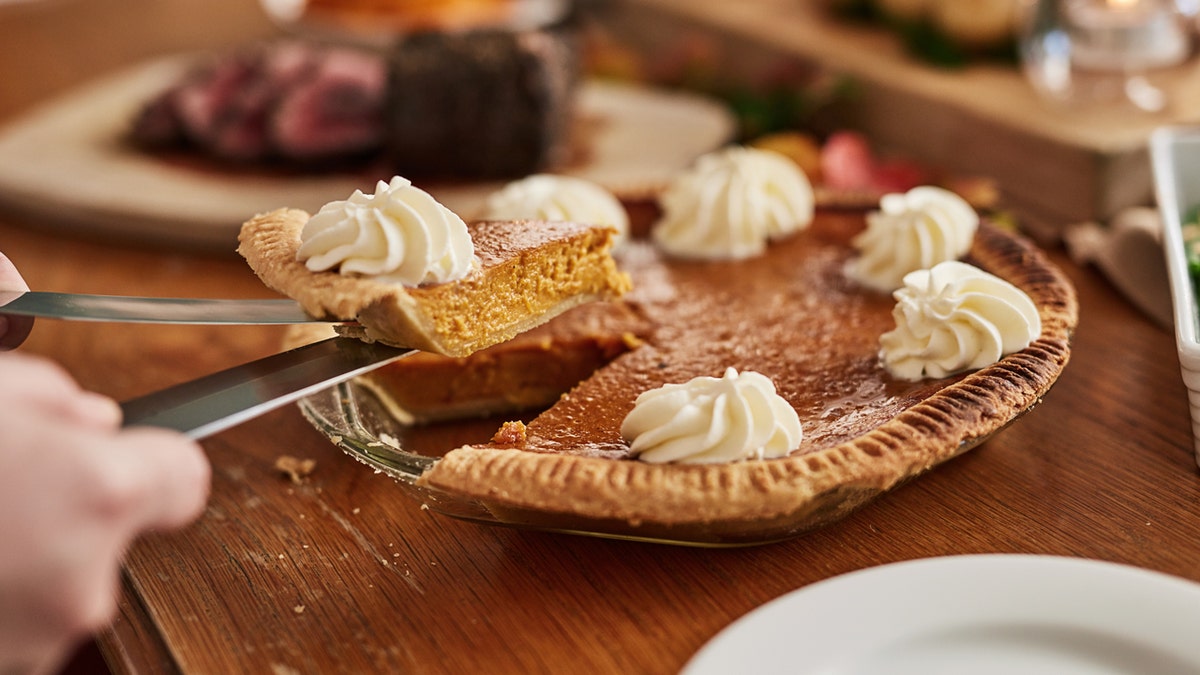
{"x": 353, "y": 418}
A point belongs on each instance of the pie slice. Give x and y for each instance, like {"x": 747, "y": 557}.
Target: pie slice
{"x": 528, "y": 272}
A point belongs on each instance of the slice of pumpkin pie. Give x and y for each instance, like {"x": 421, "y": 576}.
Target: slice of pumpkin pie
{"x": 410, "y": 273}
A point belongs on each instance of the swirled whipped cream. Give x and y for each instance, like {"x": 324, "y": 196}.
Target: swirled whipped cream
{"x": 546, "y": 196}
{"x": 710, "y": 420}
{"x": 912, "y": 231}
{"x": 731, "y": 202}
{"x": 400, "y": 234}
{"x": 953, "y": 318}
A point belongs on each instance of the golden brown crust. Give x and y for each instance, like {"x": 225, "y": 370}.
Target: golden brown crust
{"x": 758, "y": 500}
{"x": 528, "y": 273}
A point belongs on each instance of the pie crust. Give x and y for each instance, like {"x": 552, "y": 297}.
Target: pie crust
{"x": 795, "y": 317}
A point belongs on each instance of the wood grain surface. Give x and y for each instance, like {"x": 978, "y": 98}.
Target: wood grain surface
{"x": 344, "y": 573}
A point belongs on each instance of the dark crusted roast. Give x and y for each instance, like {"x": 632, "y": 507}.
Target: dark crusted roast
{"x": 484, "y": 104}
{"x": 488, "y": 104}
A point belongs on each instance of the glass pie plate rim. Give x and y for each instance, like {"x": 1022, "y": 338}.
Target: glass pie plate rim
{"x": 355, "y": 420}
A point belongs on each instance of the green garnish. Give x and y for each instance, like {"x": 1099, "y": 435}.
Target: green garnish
{"x": 1191, "y": 241}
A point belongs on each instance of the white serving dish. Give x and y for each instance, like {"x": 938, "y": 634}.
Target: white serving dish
{"x": 1175, "y": 160}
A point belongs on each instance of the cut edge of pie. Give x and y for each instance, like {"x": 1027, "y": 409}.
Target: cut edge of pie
{"x": 529, "y": 272}
{"x": 760, "y": 500}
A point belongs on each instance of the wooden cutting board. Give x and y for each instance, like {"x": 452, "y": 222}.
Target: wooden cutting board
{"x": 66, "y": 163}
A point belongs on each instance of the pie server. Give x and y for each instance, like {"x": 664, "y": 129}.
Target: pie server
{"x": 216, "y": 402}
{"x": 79, "y": 307}
{"x": 213, "y": 403}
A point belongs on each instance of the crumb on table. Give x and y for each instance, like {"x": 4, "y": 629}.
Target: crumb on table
{"x": 295, "y": 469}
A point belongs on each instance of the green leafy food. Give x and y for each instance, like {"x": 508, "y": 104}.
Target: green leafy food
{"x": 1191, "y": 241}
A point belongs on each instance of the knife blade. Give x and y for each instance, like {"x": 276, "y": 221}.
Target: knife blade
{"x": 213, "y": 403}
{"x": 80, "y": 307}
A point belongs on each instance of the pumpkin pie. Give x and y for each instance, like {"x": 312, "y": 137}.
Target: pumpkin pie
{"x": 796, "y": 317}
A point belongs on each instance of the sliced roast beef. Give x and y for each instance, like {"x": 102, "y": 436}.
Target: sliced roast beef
{"x": 240, "y": 106}
{"x": 211, "y": 95}
{"x": 157, "y": 125}
{"x": 337, "y": 111}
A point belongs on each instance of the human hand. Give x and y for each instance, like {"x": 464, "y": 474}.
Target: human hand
{"x": 75, "y": 491}
{"x": 13, "y": 329}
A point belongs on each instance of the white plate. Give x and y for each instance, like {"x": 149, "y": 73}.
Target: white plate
{"x": 65, "y": 161}
{"x": 980, "y": 614}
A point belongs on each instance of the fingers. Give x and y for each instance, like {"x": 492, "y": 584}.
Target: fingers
{"x": 93, "y": 410}
{"x": 38, "y": 382}
{"x": 153, "y": 479}
{"x": 95, "y": 488}
{"x": 13, "y": 329}
{"x": 136, "y": 478}
{"x": 10, "y": 278}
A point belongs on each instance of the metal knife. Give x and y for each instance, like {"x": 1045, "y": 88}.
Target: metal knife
{"x": 120, "y": 308}
{"x": 213, "y": 403}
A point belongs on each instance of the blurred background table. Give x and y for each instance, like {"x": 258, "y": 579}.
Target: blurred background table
{"x": 343, "y": 573}
{"x": 988, "y": 119}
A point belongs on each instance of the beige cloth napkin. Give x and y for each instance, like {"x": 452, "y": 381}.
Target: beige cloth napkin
{"x": 1129, "y": 252}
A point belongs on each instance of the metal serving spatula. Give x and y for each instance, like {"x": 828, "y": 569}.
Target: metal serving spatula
{"x": 213, "y": 403}
{"x": 119, "y": 308}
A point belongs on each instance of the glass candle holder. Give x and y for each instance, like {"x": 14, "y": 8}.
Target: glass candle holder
{"x": 1095, "y": 51}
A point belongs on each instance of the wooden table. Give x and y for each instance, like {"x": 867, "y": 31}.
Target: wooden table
{"x": 343, "y": 573}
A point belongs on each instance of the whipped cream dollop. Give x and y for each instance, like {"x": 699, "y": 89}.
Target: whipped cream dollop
{"x": 546, "y": 196}
{"x": 400, "y": 234}
{"x": 712, "y": 419}
{"x": 953, "y": 318}
{"x": 912, "y": 231}
{"x": 731, "y": 202}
